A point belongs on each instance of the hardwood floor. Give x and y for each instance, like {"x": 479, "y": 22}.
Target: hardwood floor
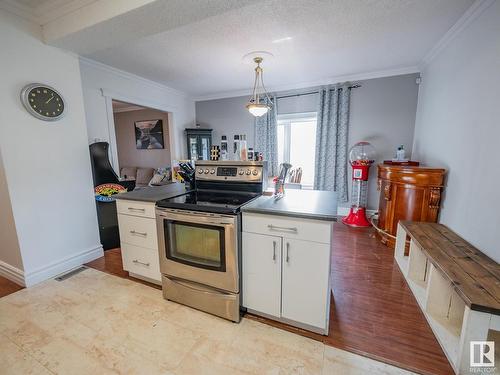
{"x": 7, "y": 287}
{"x": 111, "y": 263}
{"x": 373, "y": 311}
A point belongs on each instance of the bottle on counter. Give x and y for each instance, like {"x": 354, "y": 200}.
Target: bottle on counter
{"x": 243, "y": 147}
{"x": 250, "y": 153}
{"x": 223, "y": 148}
{"x": 236, "y": 147}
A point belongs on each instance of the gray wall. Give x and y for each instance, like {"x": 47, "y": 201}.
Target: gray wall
{"x": 458, "y": 128}
{"x": 128, "y": 154}
{"x": 382, "y": 112}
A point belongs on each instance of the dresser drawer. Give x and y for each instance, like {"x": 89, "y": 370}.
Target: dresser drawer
{"x": 139, "y": 231}
{"x": 141, "y": 261}
{"x": 294, "y": 228}
{"x": 142, "y": 209}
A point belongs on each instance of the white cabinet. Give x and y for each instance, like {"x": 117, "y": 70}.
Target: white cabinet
{"x": 261, "y": 258}
{"x": 138, "y": 238}
{"x": 305, "y": 289}
{"x": 283, "y": 277}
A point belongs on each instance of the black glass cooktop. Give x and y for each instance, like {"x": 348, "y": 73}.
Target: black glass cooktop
{"x": 209, "y": 201}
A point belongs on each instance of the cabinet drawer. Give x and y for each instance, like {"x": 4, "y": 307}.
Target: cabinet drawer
{"x": 295, "y": 228}
{"x": 138, "y": 231}
{"x": 141, "y": 261}
{"x": 142, "y": 209}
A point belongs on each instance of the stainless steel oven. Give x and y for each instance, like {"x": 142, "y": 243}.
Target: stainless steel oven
{"x": 199, "y": 246}
{"x": 199, "y": 235}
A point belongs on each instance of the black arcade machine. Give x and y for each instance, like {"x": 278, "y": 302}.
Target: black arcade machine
{"x": 106, "y": 185}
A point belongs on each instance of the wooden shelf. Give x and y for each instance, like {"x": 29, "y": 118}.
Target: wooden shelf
{"x": 451, "y": 281}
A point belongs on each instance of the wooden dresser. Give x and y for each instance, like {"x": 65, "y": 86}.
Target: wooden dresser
{"x": 407, "y": 193}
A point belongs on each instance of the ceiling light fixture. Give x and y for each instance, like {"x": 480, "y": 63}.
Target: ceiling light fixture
{"x": 259, "y": 103}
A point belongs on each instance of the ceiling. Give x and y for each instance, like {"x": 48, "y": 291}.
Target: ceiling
{"x": 311, "y": 40}
{"x": 197, "y": 46}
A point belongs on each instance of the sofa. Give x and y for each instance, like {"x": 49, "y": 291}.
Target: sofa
{"x": 142, "y": 176}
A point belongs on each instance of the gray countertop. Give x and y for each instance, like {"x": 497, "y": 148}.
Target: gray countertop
{"x": 308, "y": 204}
{"x": 154, "y": 193}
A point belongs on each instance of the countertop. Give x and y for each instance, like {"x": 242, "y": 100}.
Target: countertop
{"x": 308, "y": 204}
{"x": 154, "y": 193}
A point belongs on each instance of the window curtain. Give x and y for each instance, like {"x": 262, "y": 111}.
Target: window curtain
{"x": 266, "y": 138}
{"x": 331, "y": 140}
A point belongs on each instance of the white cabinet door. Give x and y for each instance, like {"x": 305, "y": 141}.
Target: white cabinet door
{"x": 306, "y": 269}
{"x": 261, "y": 273}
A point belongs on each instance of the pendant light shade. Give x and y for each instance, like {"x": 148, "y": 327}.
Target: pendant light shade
{"x": 257, "y": 109}
{"x": 260, "y": 103}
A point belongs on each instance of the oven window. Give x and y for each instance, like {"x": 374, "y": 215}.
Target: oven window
{"x": 195, "y": 244}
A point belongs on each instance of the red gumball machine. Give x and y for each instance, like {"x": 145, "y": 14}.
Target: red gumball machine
{"x": 361, "y": 157}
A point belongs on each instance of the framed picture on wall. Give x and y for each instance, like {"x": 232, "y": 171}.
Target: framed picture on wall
{"x": 149, "y": 134}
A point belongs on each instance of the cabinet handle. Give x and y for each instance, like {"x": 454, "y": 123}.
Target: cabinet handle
{"x": 274, "y": 250}
{"x": 281, "y": 229}
{"x": 137, "y": 209}
{"x": 139, "y": 262}
{"x": 287, "y": 251}
{"x": 138, "y": 233}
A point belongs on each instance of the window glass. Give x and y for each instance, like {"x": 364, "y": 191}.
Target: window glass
{"x": 297, "y": 144}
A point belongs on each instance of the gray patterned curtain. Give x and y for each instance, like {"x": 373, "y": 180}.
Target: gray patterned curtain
{"x": 266, "y": 138}
{"x": 331, "y": 140}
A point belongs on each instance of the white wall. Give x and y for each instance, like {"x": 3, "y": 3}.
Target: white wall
{"x": 382, "y": 112}
{"x": 129, "y": 88}
{"x": 458, "y": 128}
{"x": 46, "y": 165}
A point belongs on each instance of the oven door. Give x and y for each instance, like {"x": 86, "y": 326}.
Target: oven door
{"x": 200, "y": 247}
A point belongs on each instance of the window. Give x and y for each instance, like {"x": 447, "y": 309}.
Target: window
{"x": 297, "y": 143}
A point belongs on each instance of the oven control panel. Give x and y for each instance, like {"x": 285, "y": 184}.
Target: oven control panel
{"x": 230, "y": 171}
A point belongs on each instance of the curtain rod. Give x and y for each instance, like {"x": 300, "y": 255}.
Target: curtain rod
{"x": 312, "y": 92}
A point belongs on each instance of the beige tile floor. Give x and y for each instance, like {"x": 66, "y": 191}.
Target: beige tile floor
{"x": 95, "y": 323}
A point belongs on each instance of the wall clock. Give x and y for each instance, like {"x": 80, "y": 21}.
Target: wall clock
{"x": 43, "y": 102}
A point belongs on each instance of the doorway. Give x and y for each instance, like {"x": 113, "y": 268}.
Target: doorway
{"x": 142, "y": 142}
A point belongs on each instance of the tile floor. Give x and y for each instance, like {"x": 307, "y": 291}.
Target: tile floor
{"x": 96, "y": 323}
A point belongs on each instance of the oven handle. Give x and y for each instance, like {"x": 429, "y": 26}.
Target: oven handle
{"x": 196, "y": 218}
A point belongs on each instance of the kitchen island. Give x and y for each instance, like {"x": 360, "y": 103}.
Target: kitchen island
{"x": 286, "y": 250}
{"x": 137, "y": 225}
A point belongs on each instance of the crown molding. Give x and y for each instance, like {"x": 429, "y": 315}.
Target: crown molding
{"x": 45, "y": 12}
{"x": 327, "y": 81}
{"x": 19, "y": 10}
{"x": 474, "y": 11}
{"x": 131, "y": 76}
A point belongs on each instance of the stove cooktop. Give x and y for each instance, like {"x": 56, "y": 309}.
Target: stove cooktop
{"x": 209, "y": 201}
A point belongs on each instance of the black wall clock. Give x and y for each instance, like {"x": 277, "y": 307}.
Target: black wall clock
{"x": 43, "y": 102}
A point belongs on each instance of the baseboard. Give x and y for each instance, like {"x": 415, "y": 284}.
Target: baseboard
{"x": 12, "y": 273}
{"x": 344, "y": 211}
{"x": 61, "y": 266}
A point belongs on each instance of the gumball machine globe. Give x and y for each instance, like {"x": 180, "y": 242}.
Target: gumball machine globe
{"x": 361, "y": 156}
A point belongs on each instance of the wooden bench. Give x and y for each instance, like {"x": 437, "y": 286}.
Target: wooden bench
{"x": 456, "y": 286}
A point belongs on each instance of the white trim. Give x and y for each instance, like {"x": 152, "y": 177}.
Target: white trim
{"x": 141, "y": 101}
{"x": 344, "y": 211}
{"x": 299, "y": 116}
{"x": 63, "y": 265}
{"x": 326, "y": 81}
{"x": 474, "y": 11}
{"x": 12, "y": 273}
{"x": 113, "y": 146}
{"x": 127, "y": 75}
{"x": 128, "y": 109}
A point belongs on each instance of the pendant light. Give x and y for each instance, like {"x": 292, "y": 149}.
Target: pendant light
{"x": 259, "y": 103}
